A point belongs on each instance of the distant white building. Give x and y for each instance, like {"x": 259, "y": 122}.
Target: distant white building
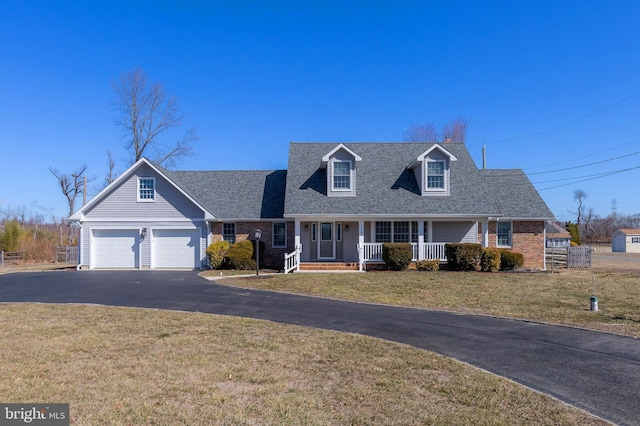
{"x": 557, "y": 236}
{"x": 626, "y": 241}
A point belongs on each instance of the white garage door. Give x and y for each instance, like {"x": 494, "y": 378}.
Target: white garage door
{"x": 176, "y": 248}
{"x": 115, "y": 248}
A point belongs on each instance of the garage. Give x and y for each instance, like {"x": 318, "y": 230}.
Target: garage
{"x": 176, "y": 248}
{"x": 115, "y": 248}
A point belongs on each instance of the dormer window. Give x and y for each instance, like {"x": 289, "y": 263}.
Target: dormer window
{"x": 432, "y": 169}
{"x": 341, "y": 175}
{"x": 340, "y": 165}
{"x": 435, "y": 175}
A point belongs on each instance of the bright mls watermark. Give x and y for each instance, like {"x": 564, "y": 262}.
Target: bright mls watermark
{"x": 34, "y": 414}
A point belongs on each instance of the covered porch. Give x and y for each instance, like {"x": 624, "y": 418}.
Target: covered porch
{"x": 345, "y": 240}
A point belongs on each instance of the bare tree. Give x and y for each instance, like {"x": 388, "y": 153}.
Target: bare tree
{"x": 71, "y": 186}
{"x": 579, "y": 196}
{"x": 145, "y": 114}
{"x": 421, "y": 133}
{"x": 111, "y": 173}
{"x": 454, "y": 131}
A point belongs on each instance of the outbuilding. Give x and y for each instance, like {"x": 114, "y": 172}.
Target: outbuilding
{"x": 626, "y": 241}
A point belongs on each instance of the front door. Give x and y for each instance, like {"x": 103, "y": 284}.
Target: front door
{"x": 327, "y": 243}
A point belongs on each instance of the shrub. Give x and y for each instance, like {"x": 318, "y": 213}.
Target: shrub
{"x": 217, "y": 254}
{"x": 490, "y": 261}
{"x": 239, "y": 255}
{"x": 397, "y": 256}
{"x": 11, "y": 236}
{"x": 428, "y": 265}
{"x": 510, "y": 260}
{"x": 464, "y": 256}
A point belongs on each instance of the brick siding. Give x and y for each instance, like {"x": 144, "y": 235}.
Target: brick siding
{"x": 273, "y": 257}
{"x": 527, "y": 238}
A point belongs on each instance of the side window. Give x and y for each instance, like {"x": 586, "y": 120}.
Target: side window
{"x": 146, "y": 189}
{"x": 229, "y": 232}
{"x": 279, "y": 234}
{"x": 503, "y": 233}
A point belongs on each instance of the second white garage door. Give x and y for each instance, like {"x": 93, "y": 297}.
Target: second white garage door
{"x": 176, "y": 248}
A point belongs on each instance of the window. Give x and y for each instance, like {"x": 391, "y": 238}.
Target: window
{"x": 504, "y": 234}
{"x": 414, "y": 232}
{"x": 326, "y": 231}
{"x": 146, "y": 189}
{"x": 635, "y": 240}
{"x": 279, "y": 234}
{"x": 229, "y": 232}
{"x": 383, "y": 232}
{"x": 341, "y": 175}
{"x": 339, "y": 231}
{"x": 314, "y": 231}
{"x": 401, "y": 232}
{"x": 435, "y": 175}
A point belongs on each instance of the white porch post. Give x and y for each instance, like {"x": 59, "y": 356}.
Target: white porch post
{"x": 360, "y": 242}
{"x": 485, "y": 233}
{"x": 420, "y": 239}
{"x": 296, "y": 240}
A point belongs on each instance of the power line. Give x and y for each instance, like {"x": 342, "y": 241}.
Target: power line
{"x": 592, "y": 178}
{"x": 586, "y": 165}
{"x": 553, "y": 129}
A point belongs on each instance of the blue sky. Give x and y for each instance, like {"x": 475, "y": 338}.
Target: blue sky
{"x": 546, "y": 85}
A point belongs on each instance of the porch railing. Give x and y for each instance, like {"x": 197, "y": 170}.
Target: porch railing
{"x": 432, "y": 251}
{"x": 292, "y": 260}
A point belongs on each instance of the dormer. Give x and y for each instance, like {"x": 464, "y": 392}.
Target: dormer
{"x": 432, "y": 171}
{"x": 340, "y": 164}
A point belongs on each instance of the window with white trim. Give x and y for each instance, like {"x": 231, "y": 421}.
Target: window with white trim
{"x": 341, "y": 175}
{"x": 635, "y": 240}
{"x": 229, "y": 232}
{"x": 401, "y": 232}
{"x": 503, "y": 233}
{"x": 146, "y": 189}
{"x": 383, "y": 232}
{"x": 314, "y": 231}
{"x": 339, "y": 231}
{"x": 279, "y": 234}
{"x": 435, "y": 175}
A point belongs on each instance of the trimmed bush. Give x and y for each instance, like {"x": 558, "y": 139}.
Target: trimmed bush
{"x": 397, "y": 256}
{"x": 464, "y": 256}
{"x": 510, "y": 260}
{"x": 490, "y": 261}
{"x": 217, "y": 254}
{"x": 428, "y": 265}
{"x": 240, "y": 255}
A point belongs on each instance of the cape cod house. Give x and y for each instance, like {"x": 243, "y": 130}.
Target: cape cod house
{"x": 336, "y": 203}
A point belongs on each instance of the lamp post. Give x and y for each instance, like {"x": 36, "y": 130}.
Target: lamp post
{"x": 258, "y": 235}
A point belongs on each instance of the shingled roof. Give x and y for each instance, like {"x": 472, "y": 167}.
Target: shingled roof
{"x": 386, "y": 186}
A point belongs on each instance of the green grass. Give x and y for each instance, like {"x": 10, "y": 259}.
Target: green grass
{"x": 117, "y": 366}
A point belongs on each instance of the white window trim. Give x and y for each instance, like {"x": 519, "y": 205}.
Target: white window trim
{"x": 273, "y": 235}
{"x": 138, "y": 189}
{"x": 350, "y": 188}
{"x": 445, "y": 179}
{"x": 510, "y": 235}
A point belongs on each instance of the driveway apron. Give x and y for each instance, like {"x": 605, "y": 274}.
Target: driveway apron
{"x": 597, "y": 372}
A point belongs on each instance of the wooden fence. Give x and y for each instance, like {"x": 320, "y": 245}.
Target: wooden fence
{"x": 11, "y": 256}
{"x": 568, "y": 257}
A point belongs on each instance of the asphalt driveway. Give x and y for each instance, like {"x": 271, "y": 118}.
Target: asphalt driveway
{"x": 597, "y": 372}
